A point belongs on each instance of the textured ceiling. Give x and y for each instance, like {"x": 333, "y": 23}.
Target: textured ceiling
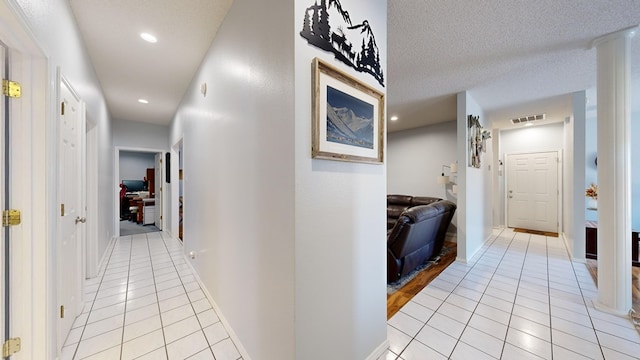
{"x": 515, "y": 57}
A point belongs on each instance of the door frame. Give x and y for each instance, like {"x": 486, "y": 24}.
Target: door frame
{"x": 559, "y": 184}
{"x": 33, "y": 130}
{"x": 174, "y": 202}
{"x": 116, "y": 182}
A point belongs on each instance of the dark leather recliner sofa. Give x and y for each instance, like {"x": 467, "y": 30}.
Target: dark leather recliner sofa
{"x": 396, "y": 204}
{"x": 417, "y": 228}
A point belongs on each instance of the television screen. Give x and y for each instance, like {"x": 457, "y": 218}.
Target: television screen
{"x": 134, "y": 185}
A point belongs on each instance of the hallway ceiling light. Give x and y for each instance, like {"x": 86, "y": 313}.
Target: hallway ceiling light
{"x": 393, "y": 118}
{"x": 143, "y": 101}
{"x": 148, "y": 38}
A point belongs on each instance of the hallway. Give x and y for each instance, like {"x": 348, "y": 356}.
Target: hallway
{"x": 147, "y": 304}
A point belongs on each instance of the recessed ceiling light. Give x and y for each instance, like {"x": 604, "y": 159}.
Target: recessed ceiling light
{"x": 143, "y": 101}
{"x": 148, "y": 38}
{"x": 394, "y": 118}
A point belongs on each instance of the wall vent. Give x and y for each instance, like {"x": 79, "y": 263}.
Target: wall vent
{"x": 527, "y": 119}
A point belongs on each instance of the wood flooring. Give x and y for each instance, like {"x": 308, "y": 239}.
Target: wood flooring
{"x": 592, "y": 265}
{"x": 536, "y": 232}
{"x": 398, "y": 299}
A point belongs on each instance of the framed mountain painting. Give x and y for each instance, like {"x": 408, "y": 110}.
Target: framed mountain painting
{"x": 348, "y": 117}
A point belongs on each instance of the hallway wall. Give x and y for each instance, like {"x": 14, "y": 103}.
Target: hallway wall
{"x": 238, "y": 151}
{"x": 135, "y": 134}
{"x": 257, "y": 207}
{"x": 340, "y": 218}
{"x": 50, "y": 22}
{"x": 475, "y": 216}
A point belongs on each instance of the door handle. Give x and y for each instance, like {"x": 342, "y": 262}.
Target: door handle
{"x": 81, "y": 220}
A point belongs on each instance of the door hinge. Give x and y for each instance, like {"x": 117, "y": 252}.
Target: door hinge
{"x": 61, "y": 209}
{"x": 160, "y": 217}
{"x": 11, "y": 218}
{"x": 61, "y": 311}
{"x": 62, "y": 108}
{"x": 10, "y": 347}
{"x": 11, "y": 88}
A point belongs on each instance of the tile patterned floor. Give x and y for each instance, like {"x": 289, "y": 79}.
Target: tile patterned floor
{"x": 520, "y": 298}
{"x": 146, "y": 304}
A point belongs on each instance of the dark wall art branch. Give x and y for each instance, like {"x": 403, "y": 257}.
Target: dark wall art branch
{"x": 328, "y": 26}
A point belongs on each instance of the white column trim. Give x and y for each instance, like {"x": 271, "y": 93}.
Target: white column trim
{"x": 614, "y": 172}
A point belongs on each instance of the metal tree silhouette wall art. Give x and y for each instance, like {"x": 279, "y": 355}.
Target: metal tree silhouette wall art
{"x": 354, "y": 45}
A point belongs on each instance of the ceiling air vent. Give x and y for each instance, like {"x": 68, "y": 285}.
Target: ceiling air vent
{"x": 527, "y": 119}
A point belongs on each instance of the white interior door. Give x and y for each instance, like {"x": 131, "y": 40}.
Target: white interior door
{"x": 532, "y": 191}
{"x": 159, "y": 181}
{"x": 70, "y": 226}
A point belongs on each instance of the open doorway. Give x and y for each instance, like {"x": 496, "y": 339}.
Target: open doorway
{"x": 180, "y": 193}
{"x": 139, "y": 178}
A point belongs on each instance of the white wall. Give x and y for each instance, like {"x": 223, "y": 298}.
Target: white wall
{"x": 238, "y": 154}
{"x": 415, "y": 158}
{"x": 574, "y": 170}
{"x": 134, "y": 165}
{"x": 532, "y": 139}
{"x": 635, "y": 170}
{"x": 139, "y": 135}
{"x": 53, "y": 26}
{"x": 591, "y": 170}
{"x": 340, "y": 221}
{"x": 278, "y": 235}
{"x": 475, "y": 185}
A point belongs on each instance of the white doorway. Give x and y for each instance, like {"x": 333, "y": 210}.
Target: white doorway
{"x": 72, "y": 200}
{"x": 159, "y": 191}
{"x": 31, "y": 178}
{"x": 156, "y": 222}
{"x": 532, "y": 191}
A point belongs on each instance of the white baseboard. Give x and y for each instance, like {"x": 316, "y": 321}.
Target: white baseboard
{"x": 379, "y": 351}
{"x": 243, "y": 352}
{"x": 107, "y": 253}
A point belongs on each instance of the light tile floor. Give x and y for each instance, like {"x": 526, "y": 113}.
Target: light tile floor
{"x": 146, "y": 304}
{"x": 520, "y": 298}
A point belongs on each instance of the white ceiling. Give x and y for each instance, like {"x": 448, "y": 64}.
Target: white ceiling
{"x": 129, "y": 68}
{"x": 516, "y": 58}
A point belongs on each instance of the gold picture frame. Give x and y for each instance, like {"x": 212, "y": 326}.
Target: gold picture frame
{"x": 348, "y": 117}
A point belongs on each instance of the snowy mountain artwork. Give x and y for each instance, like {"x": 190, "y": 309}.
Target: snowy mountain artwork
{"x": 329, "y": 26}
{"x": 349, "y": 119}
